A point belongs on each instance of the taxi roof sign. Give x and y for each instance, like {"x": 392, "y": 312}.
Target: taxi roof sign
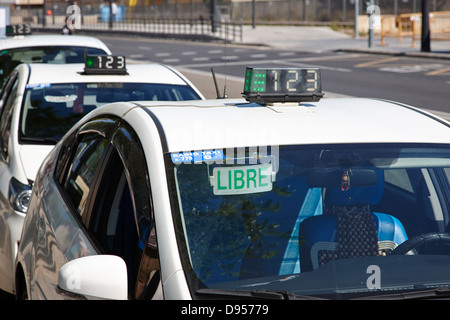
{"x": 105, "y": 64}
{"x": 18, "y": 30}
{"x": 270, "y": 85}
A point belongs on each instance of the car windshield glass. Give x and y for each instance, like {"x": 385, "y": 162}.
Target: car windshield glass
{"x": 50, "y": 110}
{"x": 335, "y": 221}
{"x": 10, "y": 58}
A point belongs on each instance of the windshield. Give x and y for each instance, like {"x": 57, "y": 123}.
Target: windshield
{"x": 50, "y": 110}
{"x": 331, "y": 221}
{"x": 11, "y": 58}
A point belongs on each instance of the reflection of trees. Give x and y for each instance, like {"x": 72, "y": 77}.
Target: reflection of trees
{"x": 7, "y": 66}
{"x": 50, "y": 122}
{"x": 223, "y": 230}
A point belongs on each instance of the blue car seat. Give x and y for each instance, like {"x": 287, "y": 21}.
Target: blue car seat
{"x": 348, "y": 228}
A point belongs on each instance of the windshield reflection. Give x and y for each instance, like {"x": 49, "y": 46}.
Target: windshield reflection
{"x": 317, "y": 220}
{"x": 50, "y": 110}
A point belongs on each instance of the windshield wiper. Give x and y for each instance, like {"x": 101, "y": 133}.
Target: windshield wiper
{"x": 253, "y": 294}
{"x": 435, "y": 293}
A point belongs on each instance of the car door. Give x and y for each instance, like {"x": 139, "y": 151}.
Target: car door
{"x": 7, "y": 104}
{"x": 65, "y": 202}
{"x": 100, "y": 203}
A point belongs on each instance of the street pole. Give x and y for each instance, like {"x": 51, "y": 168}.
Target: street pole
{"x": 425, "y": 45}
{"x": 253, "y": 14}
{"x": 370, "y": 13}
{"x": 213, "y": 16}
{"x": 356, "y": 18}
{"x": 110, "y": 24}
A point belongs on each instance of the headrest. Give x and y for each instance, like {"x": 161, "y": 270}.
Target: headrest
{"x": 359, "y": 194}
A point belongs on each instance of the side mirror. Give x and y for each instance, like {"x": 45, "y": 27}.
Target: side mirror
{"x": 94, "y": 277}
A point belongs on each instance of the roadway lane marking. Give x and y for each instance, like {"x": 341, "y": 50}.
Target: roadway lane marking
{"x": 413, "y": 68}
{"x": 258, "y": 55}
{"x": 189, "y": 53}
{"x": 145, "y": 48}
{"x": 376, "y": 63}
{"x": 229, "y": 58}
{"x": 385, "y": 65}
{"x": 200, "y": 59}
{"x": 171, "y": 60}
{"x": 163, "y": 54}
{"x": 136, "y": 56}
{"x": 214, "y": 51}
{"x": 440, "y": 72}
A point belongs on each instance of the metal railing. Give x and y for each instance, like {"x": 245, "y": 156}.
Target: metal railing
{"x": 193, "y": 29}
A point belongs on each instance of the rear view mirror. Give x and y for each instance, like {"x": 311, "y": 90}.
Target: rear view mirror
{"x": 329, "y": 178}
{"x": 94, "y": 277}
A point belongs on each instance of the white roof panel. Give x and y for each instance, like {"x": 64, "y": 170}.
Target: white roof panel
{"x": 353, "y": 120}
{"x": 71, "y": 73}
{"x": 51, "y": 40}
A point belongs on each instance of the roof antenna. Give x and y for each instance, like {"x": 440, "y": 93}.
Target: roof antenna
{"x": 215, "y": 83}
{"x": 225, "y": 94}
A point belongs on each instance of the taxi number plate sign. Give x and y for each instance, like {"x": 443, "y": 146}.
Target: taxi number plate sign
{"x": 242, "y": 179}
{"x": 196, "y": 156}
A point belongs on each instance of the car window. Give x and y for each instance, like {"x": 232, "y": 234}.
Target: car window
{"x": 11, "y": 58}
{"x": 122, "y": 219}
{"x": 114, "y": 224}
{"x": 50, "y": 110}
{"x": 9, "y": 83}
{"x": 82, "y": 169}
{"x": 399, "y": 178}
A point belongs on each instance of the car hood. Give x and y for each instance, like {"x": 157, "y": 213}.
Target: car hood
{"x": 32, "y": 156}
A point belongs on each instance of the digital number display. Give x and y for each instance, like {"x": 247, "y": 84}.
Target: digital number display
{"x": 18, "y": 30}
{"x": 282, "y": 84}
{"x": 104, "y": 64}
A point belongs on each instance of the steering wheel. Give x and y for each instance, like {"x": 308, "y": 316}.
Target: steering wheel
{"x": 420, "y": 240}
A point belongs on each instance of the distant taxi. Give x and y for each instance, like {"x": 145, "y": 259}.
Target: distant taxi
{"x": 40, "y": 103}
{"x": 283, "y": 195}
{"x": 20, "y": 46}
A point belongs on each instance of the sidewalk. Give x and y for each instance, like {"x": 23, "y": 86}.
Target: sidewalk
{"x": 320, "y": 39}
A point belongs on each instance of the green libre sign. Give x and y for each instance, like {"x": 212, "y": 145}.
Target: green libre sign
{"x": 242, "y": 179}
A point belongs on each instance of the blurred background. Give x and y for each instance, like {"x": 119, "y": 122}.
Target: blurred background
{"x": 302, "y": 12}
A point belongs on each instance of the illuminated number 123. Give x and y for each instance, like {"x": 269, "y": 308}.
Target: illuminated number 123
{"x": 312, "y": 82}
{"x": 292, "y": 81}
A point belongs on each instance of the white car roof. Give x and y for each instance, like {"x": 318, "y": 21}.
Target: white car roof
{"x": 213, "y": 124}
{"x": 51, "y": 40}
{"x": 73, "y": 73}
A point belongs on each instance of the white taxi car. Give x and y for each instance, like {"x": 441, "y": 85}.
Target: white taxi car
{"x": 20, "y": 46}
{"x": 40, "y": 103}
{"x": 283, "y": 196}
